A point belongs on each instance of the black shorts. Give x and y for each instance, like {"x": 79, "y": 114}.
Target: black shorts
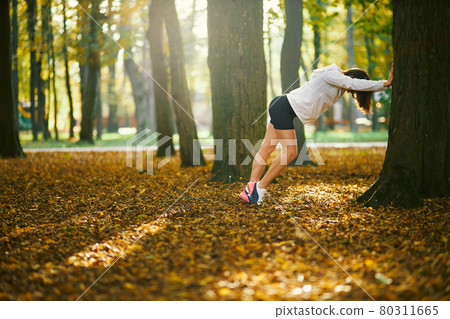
{"x": 281, "y": 113}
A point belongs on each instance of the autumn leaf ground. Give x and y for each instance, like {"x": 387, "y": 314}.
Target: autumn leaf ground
{"x": 67, "y": 217}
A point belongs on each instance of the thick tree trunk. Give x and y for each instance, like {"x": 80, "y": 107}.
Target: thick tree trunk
{"x": 417, "y": 158}
{"x": 9, "y": 138}
{"x": 91, "y": 89}
{"x": 164, "y": 115}
{"x": 67, "y": 72}
{"x": 290, "y": 64}
{"x": 31, "y": 22}
{"x": 238, "y": 82}
{"x": 187, "y": 130}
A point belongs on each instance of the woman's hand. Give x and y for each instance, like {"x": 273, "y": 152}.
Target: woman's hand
{"x": 390, "y": 78}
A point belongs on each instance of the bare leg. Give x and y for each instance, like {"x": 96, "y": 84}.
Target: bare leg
{"x": 268, "y": 146}
{"x": 289, "y": 152}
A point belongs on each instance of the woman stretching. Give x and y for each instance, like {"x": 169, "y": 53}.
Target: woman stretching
{"x": 326, "y": 87}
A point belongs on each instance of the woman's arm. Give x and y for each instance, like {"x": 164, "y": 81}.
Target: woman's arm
{"x": 338, "y": 79}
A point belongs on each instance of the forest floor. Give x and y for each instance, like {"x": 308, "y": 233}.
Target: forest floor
{"x": 67, "y": 217}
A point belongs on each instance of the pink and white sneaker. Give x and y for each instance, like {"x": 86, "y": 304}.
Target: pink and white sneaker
{"x": 246, "y": 193}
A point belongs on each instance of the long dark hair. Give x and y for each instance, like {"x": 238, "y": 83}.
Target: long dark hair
{"x": 363, "y": 98}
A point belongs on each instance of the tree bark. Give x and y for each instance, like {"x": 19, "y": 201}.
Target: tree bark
{"x": 43, "y": 83}
{"x": 15, "y": 64}
{"x": 290, "y": 64}
{"x": 31, "y": 22}
{"x": 113, "y": 124}
{"x": 67, "y": 72}
{"x": 53, "y": 72}
{"x": 187, "y": 129}
{"x": 238, "y": 82}
{"x": 98, "y": 108}
{"x": 93, "y": 67}
{"x": 140, "y": 94}
{"x": 417, "y": 158}
{"x": 9, "y": 138}
{"x": 164, "y": 115}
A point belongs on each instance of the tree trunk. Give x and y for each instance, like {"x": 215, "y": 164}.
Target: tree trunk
{"x": 42, "y": 99}
{"x": 290, "y": 64}
{"x": 417, "y": 157}
{"x": 187, "y": 130}
{"x": 67, "y": 72}
{"x": 270, "y": 59}
{"x": 43, "y": 84}
{"x": 351, "y": 63}
{"x": 164, "y": 115}
{"x": 140, "y": 95}
{"x": 31, "y": 22}
{"x": 98, "y": 107}
{"x": 53, "y": 72}
{"x": 15, "y": 64}
{"x": 83, "y": 47}
{"x": 290, "y": 51}
{"x": 9, "y": 138}
{"x": 91, "y": 89}
{"x": 238, "y": 82}
{"x": 113, "y": 124}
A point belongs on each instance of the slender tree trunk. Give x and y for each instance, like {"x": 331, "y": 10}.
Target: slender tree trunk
{"x": 290, "y": 51}
{"x": 67, "y": 72}
{"x": 93, "y": 67}
{"x": 270, "y": 60}
{"x": 180, "y": 92}
{"x": 9, "y": 138}
{"x": 351, "y": 63}
{"x": 42, "y": 99}
{"x": 290, "y": 64}
{"x": 31, "y": 22}
{"x": 83, "y": 50}
{"x": 140, "y": 95}
{"x": 113, "y": 124}
{"x": 164, "y": 115}
{"x": 238, "y": 82}
{"x": 15, "y": 64}
{"x": 417, "y": 158}
{"x": 98, "y": 107}
{"x": 53, "y": 77}
{"x": 43, "y": 84}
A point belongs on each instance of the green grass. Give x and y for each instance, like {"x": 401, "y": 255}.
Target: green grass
{"x": 116, "y": 139}
{"x": 108, "y": 140}
{"x": 338, "y": 136}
